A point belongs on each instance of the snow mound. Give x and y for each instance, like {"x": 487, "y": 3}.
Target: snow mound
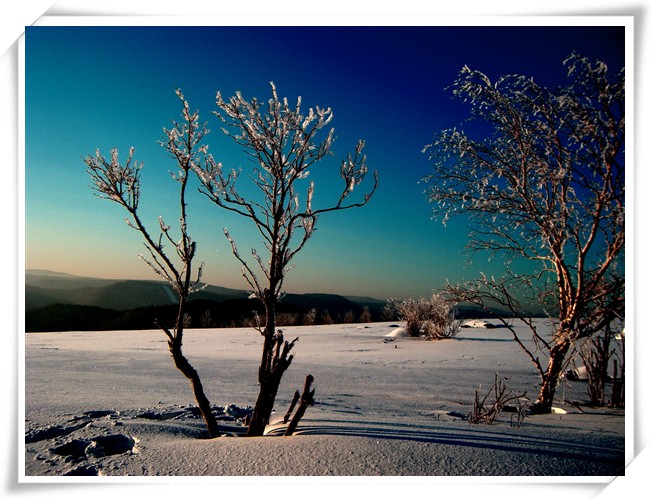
{"x": 477, "y": 323}
{"x": 577, "y": 374}
{"x": 398, "y": 332}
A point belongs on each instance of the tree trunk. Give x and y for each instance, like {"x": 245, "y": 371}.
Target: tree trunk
{"x": 263, "y": 408}
{"x": 271, "y": 380}
{"x": 274, "y": 362}
{"x": 265, "y": 401}
{"x": 202, "y": 401}
{"x": 543, "y": 404}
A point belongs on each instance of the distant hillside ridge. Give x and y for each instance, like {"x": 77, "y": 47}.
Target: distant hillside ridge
{"x": 62, "y": 302}
{"x": 48, "y": 288}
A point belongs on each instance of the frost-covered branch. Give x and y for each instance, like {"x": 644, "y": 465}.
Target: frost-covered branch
{"x": 121, "y": 184}
{"x": 283, "y": 143}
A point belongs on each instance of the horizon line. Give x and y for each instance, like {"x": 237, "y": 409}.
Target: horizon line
{"x": 162, "y": 281}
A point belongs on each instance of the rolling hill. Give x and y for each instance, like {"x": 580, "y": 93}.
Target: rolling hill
{"x": 62, "y": 302}
{"x": 47, "y": 288}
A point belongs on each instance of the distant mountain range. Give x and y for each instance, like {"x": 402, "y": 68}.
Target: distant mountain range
{"x": 56, "y": 301}
{"x": 62, "y": 302}
{"x": 46, "y": 287}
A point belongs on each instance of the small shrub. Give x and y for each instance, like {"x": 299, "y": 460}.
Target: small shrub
{"x": 432, "y": 318}
{"x": 486, "y": 412}
{"x": 596, "y": 354}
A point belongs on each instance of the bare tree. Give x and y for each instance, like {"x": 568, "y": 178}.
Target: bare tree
{"x": 121, "y": 184}
{"x": 544, "y": 188}
{"x": 283, "y": 145}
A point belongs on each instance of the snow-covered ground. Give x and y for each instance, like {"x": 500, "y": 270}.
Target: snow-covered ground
{"x": 112, "y": 404}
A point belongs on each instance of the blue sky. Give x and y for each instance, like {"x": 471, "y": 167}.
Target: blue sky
{"x": 103, "y": 87}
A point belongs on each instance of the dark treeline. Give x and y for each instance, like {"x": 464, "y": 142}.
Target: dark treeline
{"x": 200, "y": 314}
{"x": 305, "y": 310}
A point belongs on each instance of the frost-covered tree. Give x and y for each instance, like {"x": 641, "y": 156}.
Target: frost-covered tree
{"x": 121, "y": 184}
{"x": 365, "y": 316}
{"x": 542, "y": 184}
{"x": 310, "y": 317}
{"x": 283, "y": 144}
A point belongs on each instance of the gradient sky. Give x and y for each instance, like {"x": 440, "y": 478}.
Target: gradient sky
{"x": 104, "y": 87}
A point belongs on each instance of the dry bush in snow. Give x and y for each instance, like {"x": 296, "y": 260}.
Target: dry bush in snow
{"x": 597, "y": 354}
{"x": 433, "y": 318}
{"x": 486, "y": 411}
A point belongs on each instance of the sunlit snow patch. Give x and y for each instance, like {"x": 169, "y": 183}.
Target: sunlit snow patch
{"x": 398, "y": 332}
{"x": 477, "y": 323}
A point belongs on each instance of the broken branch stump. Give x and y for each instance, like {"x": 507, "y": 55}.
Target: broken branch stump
{"x": 295, "y": 399}
{"x": 307, "y": 398}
